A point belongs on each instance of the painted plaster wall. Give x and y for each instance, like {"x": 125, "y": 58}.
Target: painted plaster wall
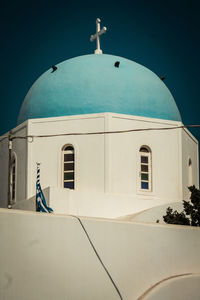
{"x": 4, "y": 173}
{"x": 155, "y": 213}
{"x": 166, "y": 153}
{"x": 190, "y": 151}
{"x": 19, "y": 148}
{"x": 177, "y": 288}
{"x": 107, "y": 167}
{"x": 46, "y": 256}
{"x": 30, "y": 204}
{"x": 89, "y": 152}
{"x": 109, "y": 163}
{"x": 96, "y": 204}
{"x": 99, "y": 204}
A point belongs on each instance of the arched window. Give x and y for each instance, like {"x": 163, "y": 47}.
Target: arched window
{"x": 68, "y": 167}
{"x": 145, "y": 168}
{"x": 190, "y": 178}
{"x": 13, "y": 177}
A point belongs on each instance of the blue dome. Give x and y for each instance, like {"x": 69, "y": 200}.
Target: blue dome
{"x": 92, "y": 84}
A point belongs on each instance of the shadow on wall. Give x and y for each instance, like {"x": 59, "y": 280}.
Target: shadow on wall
{"x": 30, "y": 204}
{"x": 153, "y": 215}
{"x": 179, "y": 287}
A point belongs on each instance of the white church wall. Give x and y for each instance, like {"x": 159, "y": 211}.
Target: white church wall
{"x": 19, "y": 150}
{"x": 89, "y": 152}
{"x": 107, "y": 166}
{"x": 154, "y": 214}
{"x": 107, "y": 163}
{"x": 30, "y": 204}
{"x": 95, "y": 204}
{"x": 49, "y": 256}
{"x": 100, "y": 205}
{"x": 4, "y": 173}
{"x": 190, "y": 162}
{"x": 165, "y": 150}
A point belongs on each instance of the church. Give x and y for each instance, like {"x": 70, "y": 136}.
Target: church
{"x": 113, "y": 154}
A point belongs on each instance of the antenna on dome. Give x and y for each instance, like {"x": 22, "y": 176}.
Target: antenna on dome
{"x": 97, "y": 35}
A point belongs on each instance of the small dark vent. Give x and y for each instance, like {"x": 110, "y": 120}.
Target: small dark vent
{"x": 117, "y": 64}
{"x": 162, "y": 78}
{"x": 54, "y": 68}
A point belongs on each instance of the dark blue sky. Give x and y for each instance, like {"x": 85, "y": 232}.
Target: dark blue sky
{"x": 164, "y": 36}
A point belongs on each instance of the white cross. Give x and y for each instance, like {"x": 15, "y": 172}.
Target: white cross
{"x": 97, "y": 35}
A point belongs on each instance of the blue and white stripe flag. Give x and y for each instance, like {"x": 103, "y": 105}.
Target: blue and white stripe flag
{"x": 40, "y": 199}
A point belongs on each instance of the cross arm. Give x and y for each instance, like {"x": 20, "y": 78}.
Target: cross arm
{"x": 94, "y": 36}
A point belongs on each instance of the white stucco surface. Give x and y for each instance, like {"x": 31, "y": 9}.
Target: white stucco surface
{"x": 189, "y": 152}
{"x": 4, "y": 173}
{"x": 180, "y": 287}
{"x": 46, "y": 256}
{"x": 107, "y": 166}
{"x": 154, "y": 214}
{"x": 141, "y": 208}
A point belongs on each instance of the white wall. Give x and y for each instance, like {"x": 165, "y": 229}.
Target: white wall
{"x": 48, "y": 256}
{"x": 108, "y": 163}
{"x": 107, "y": 166}
{"x": 89, "y": 152}
{"x": 4, "y": 173}
{"x": 155, "y": 213}
{"x": 19, "y": 147}
{"x": 98, "y": 204}
{"x": 180, "y": 287}
{"x": 125, "y": 160}
{"x": 73, "y": 202}
{"x": 189, "y": 151}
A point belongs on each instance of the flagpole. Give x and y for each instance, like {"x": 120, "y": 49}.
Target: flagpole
{"x": 36, "y": 186}
{"x": 40, "y": 204}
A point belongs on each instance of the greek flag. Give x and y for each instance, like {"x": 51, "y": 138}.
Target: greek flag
{"x": 40, "y": 199}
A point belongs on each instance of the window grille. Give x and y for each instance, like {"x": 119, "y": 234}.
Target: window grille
{"x": 145, "y": 168}
{"x": 190, "y": 177}
{"x": 68, "y": 167}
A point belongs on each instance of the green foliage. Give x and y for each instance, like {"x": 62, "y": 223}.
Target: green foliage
{"x": 191, "y": 211}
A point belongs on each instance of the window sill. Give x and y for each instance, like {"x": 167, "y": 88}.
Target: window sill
{"x": 145, "y": 193}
